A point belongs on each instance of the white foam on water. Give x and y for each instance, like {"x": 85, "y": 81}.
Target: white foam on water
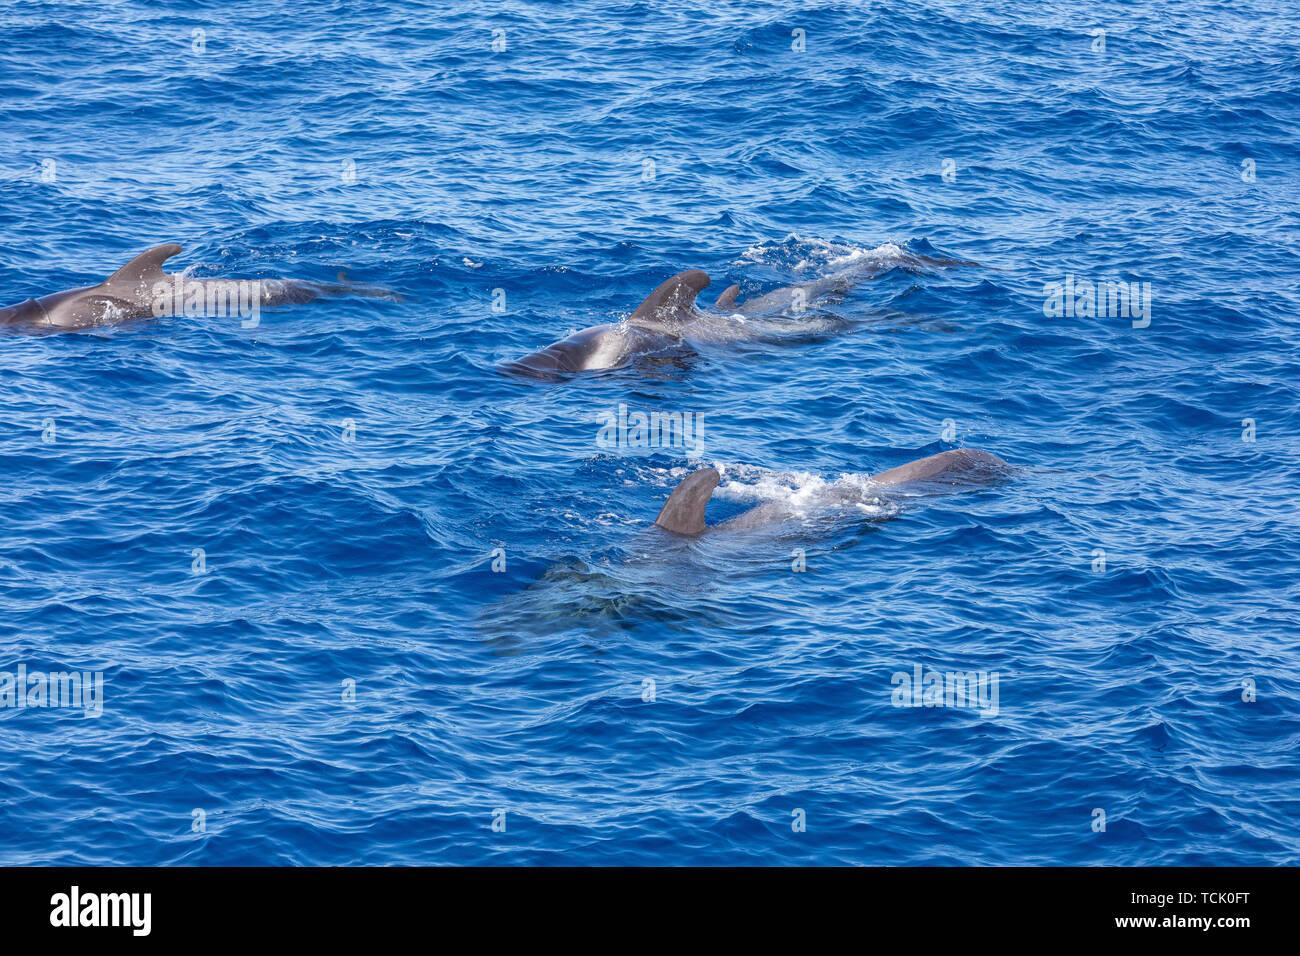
{"x": 800, "y": 492}
{"x": 883, "y": 254}
{"x": 824, "y": 256}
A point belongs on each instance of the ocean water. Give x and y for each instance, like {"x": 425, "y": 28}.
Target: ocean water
{"x": 358, "y": 597}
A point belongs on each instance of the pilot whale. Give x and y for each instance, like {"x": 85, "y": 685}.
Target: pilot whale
{"x": 945, "y": 472}
{"x": 658, "y": 323}
{"x": 670, "y": 318}
{"x": 141, "y": 289}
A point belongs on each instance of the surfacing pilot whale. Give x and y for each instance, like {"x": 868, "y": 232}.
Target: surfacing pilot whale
{"x": 669, "y": 318}
{"x": 141, "y": 289}
{"x": 944, "y": 473}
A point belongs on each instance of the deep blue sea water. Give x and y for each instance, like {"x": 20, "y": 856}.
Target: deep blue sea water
{"x": 350, "y": 467}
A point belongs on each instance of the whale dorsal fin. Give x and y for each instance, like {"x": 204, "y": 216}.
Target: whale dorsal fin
{"x": 147, "y": 266}
{"x": 684, "y": 510}
{"x": 677, "y": 293}
{"x": 728, "y": 297}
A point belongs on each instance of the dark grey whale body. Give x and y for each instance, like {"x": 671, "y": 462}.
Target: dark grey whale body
{"x": 657, "y": 323}
{"x": 136, "y": 290}
{"x": 945, "y": 472}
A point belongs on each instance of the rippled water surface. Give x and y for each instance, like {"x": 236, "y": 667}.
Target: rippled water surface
{"x": 242, "y": 527}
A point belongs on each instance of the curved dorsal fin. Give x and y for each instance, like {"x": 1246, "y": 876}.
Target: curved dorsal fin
{"x": 683, "y": 512}
{"x": 147, "y": 266}
{"x": 675, "y": 294}
{"x": 728, "y": 298}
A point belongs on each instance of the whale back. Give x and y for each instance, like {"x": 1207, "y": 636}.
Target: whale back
{"x": 674, "y": 299}
{"x": 123, "y": 295}
{"x": 683, "y": 512}
{"x": 24, "y": 313}
{"x": 959, "y": 466}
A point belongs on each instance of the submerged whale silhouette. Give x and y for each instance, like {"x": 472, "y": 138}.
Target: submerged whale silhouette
{"x": 945, "y": 472}
{"x": 669, "y": 318}
{"x": 140, "y": 289}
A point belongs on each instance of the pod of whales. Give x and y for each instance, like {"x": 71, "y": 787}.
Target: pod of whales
{"x": 667, "y": 318}
{"x": 141, "y": 289}
{"x": 946, "y": 472}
